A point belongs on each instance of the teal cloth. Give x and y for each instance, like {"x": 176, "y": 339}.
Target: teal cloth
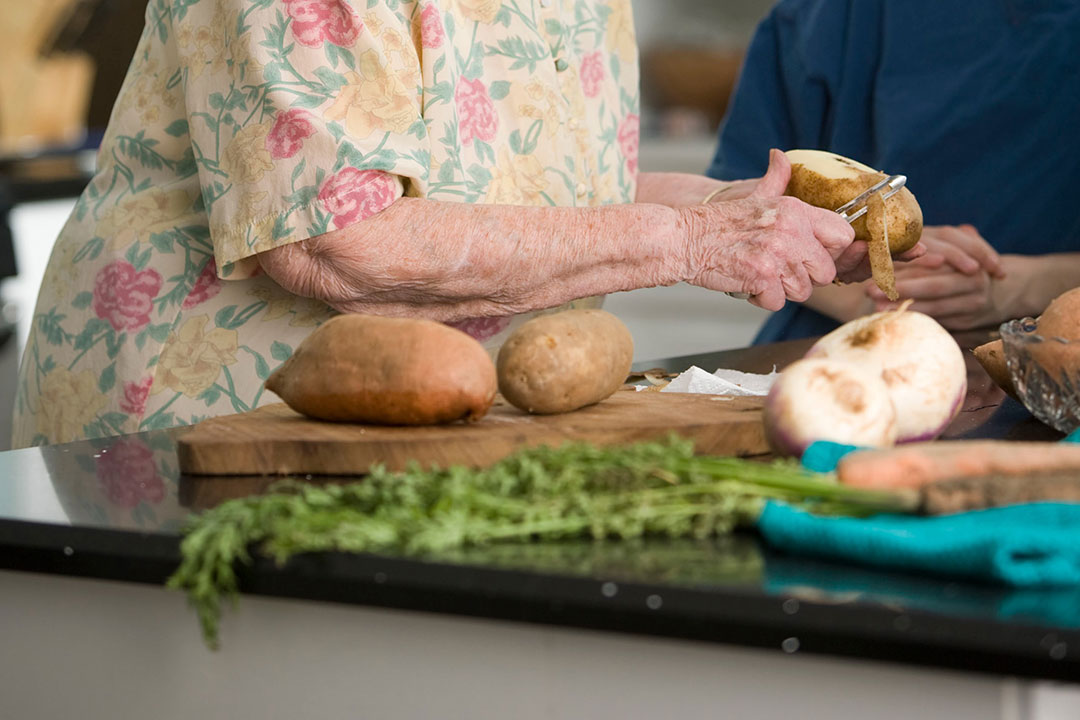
{"x": 1036, "y": 545}
{"x": 823, "y": 456}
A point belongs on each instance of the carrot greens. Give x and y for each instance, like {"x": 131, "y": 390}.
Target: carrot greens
{"x": 658, "y": 489}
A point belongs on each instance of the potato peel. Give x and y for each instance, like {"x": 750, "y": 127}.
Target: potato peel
{"x": 881, "y": 264}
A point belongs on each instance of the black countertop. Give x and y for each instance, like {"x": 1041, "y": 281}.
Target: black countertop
{"x": 112, "y": 509}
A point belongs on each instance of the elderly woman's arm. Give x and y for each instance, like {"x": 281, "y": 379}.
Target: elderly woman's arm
{"x": 450, "y": 261}
{"x": 681, "y": 189}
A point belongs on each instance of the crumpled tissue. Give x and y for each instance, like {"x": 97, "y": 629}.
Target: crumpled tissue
{"x": 722, "y": 382}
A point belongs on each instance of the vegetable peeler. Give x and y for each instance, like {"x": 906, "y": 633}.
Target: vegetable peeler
{"x": 855, "y": 209}
{"x": 852, "y": 211}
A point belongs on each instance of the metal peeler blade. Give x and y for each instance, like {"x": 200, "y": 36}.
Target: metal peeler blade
{"x": 852, "y": 211}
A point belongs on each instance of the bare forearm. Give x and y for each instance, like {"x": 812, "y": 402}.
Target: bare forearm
{"x": 450, "y": 261}
{"x": 841, "y": 302}
{"x": 1033, "y": 281}
{"x": 674, "y": 189}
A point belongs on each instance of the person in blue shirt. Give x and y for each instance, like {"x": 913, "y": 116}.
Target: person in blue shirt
{"x": 978, "y": 103}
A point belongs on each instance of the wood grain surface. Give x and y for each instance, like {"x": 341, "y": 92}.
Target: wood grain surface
{"x": 275, "y": 440}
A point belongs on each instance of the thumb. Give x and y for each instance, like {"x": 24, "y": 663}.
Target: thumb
{"x": 776, "y": 177}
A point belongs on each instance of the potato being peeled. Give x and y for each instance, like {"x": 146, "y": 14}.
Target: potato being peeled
{"x": 565, "y": 361}
{"x": 827, "y": 180}
{"x": 387, "y": 371}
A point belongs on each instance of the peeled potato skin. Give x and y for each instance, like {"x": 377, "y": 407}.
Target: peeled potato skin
{"x": 905, "y": 219}
{"x": 387, "y": 371}
{"x": 562, "y": 362}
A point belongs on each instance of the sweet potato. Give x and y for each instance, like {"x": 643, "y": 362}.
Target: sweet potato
{"x": 992, "y": 357}
{"x": 1062, "y": 317}
{"x": 562, "y": 362}
{"x": 387, "y": 371}
{"x": 1059, "y": 354}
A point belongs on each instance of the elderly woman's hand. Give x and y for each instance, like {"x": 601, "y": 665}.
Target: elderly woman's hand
{"x": 773, "y": 247}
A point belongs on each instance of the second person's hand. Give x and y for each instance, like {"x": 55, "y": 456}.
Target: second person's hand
{"x": 962, "y": 248}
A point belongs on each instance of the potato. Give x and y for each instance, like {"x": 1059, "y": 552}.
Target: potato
{"x": 827, "y": 180}
{"x": 387, "y": 371}
{"x": 562, "y": 362}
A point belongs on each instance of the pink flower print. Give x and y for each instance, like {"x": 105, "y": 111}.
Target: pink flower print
{"x": 207, "y": 285}
{"x": 629, "y": 135}
{"x": 135, "y": 395}
{"x": 353, "y": 195}
{"x": 483, "y": 328}
{"x": 477, "y": 117}
{"x": 431, "y": 27}
{"x": 317, "y": 21}
{"x": 127, "y": 473}
{"x": 124, "y": 296}
{"x": 287, "y": 135}
{"x": 592, "y": 74}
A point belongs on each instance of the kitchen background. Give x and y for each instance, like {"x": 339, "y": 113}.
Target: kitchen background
{"x": 64, "y": 61}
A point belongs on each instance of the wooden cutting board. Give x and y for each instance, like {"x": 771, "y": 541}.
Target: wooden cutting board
{"x": 275, "y": 440}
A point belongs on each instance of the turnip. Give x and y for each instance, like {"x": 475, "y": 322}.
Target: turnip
{"x": 827, "y": 399}
{"x": 917, "y": 358}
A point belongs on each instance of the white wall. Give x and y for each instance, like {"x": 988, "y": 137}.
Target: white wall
{"x": 91, "y": 649}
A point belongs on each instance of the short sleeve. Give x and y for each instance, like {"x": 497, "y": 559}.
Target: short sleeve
{"x": 304, "y": 116}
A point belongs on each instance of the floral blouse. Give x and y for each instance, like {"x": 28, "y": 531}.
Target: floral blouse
{"x": 244, "y": 125}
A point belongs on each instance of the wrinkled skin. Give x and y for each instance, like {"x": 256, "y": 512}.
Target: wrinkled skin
{"x": 448, "y": 261}
{"x": 773, "y": 247}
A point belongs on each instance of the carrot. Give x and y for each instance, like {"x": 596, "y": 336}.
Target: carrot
{"x": 918, "y": 464}
{"x": 951, "y": 496}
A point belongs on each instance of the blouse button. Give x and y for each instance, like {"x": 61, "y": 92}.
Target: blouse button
{"x": 545, "y": 3}
{"x": 581, "y": 189}
{"x": 573, "y": 123}
{"x": 561, "y": 65}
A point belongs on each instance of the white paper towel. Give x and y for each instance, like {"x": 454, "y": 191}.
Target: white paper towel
{"x": 722, "y": 382}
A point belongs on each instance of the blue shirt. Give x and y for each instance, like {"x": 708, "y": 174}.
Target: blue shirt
{"x": 976, "y": 101}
